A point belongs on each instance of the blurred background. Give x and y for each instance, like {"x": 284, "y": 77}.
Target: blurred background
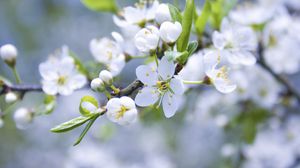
{"x": 38, "y": 28}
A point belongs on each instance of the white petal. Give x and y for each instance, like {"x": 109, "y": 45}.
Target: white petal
{"x": 211, "y": 60}
{"x": 170, "y": 104}
{"x": 113, "y": 105}
{"x": 147, "y": 75}
{"x": 50, "y": 87}
{"x": 66, "y": 66}
{"x": 177, "y": 86}
{"x": 117, "y": 65}
{"x": 88, "y": 106}
{"x": 242, "y": 57}
{"x": 166, "y": 68}
{"x": 127, "y": 102}
{"x": 129, "y": 117}
{"x": 224, "y": 86}
{"x": 147, "y": 96}
{"x": 77, "y": 81}
{"x": 48, "y": 71}
{"x": 65, "y": 90}
{"x": 218, "y": 40}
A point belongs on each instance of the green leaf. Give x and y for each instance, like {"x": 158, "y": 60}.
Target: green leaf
{"x": 192, "y": 47}
{"x": 187, "y": 21}
{"x": 69, "y": 125}
{"x": 49, "y": 104}
{"x": 88, "y": 99}
{"x": 175, "y": 13}
{"x": 86, "y": 129}
{"x": 79, "y": 65}
{"x": 182, "y": 57}
{"x": 101, "y": 5}
{"x": 201, "y": 21}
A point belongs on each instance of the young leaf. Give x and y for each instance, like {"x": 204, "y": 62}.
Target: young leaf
{"x": 175, "y": 13}
{"x": 50, "y": 103}
{"x": 192, "y": 47}
{"x": 69, "y": 125}
{"x": 203, "y": 18}
{"x": 187, "y": 21}
{"x": 86, "y": 129}
{"x": 101, "y": 5}
{"x": 88, "y": 105}
{"x": 80, "y": 67}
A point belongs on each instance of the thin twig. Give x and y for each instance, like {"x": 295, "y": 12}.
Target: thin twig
{"x": 291, "y": 90}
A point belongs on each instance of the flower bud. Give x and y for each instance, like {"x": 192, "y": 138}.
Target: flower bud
{"x": 23, "y": 117}
{"x": 106, "y": 77}
{"x": 147, "y": 39}
{"x": 162, "y": 14}
{"x": 11, "y": 97}
{"x": 9, "y": 54}
{"x": 169, "y": 32}
{"x": 97, "y": 85}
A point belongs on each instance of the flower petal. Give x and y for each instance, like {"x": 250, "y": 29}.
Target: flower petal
{"x": 50, "y": 87}
{"x": 147, "y": 75}
{"x": 224, "y": 86}
{"x": 166, "y": 68}
{"x": 177, "y": 86}
{"x": 218, "y": 40}
{"x": 170, "y": 104}
{"x": 127, "y": 102}
{"x": 147, "y": 96}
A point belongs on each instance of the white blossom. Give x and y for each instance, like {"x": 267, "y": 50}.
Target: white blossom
{"x": 108, "y": 52}
{"x": 106, "y": 77}
{"x": 141, "y": 13}
{"x": 236, "y": 43}
{"x": 169, "y": 32}
{"x": 11, "y": 97}
{"x": 217, "y": 73}
{"x": 159, "y": 85}
{"x": 8, "y": 53}
{"x": 23, "y": 117}
{"x": 162, "y": 13}
{"x": 97, "y": 85}
{"x": 147, "y": 39}
{"x": 60, "y": 75}
{"x": 121, "y": 110}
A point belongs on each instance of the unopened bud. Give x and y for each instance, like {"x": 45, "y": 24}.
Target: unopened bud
{"x": 97, "y": 85}
{"x": 9, "y": 54}
{"x": 23, "y": 117}
{"x": 11, "y": 97}
{"x": 106, "y": 77}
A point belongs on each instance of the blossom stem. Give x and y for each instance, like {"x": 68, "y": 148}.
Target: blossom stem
{"x": 116, "y": 90}
{"x": 16, "y": 74}
{"x": 107, "y": 94}
{"x": 193, "y": 82}
{"x": 156, "y": 59}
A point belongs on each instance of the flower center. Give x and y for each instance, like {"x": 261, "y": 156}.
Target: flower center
{"x": 121, "y": 113}
{"x": 162, "y": 86}
{"x": 223, "y": 73}
{"x": 62, "y": 80}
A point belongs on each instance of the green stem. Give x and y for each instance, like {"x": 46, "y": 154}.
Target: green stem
{"x": 193, "y": 82}
{"x": 107, "y": 94}
{"x": 156, "y": 59}
{"x": 116, "y": 90}
{"x": 16, "y": 74}
{"x": 86, "y": 129}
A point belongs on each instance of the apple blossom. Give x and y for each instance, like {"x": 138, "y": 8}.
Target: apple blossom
{"x": 97, "y": 85}
{"x": 162, "y": 13}
{"x": 106, "y": 77}
{"x": 121, "y": 110}
{"x": 159, "y": 85}
{"x": 11, "y": 97}
{"x": 218, "y": 76}
{"x": 23, "y": 117}
{"x": 236, "y": 43}
{"x": 147, "y": 39}
{"x": 108, "y": 52}
{"x": 8, "y": 53}
{"x": 60, "y": 75}
{"x": 141, "y": 13}
{"x": 169, "y": 32}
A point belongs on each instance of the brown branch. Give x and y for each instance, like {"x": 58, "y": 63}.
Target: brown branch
{"x": 20, "y": 88}
{"x": 136, "y": 84}
{"x": 291, "y": 90}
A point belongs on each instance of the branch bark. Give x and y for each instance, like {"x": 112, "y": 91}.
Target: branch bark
{"x": 291, "y": 90}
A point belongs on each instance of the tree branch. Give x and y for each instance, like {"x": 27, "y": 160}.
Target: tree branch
{"x": 291, "y": 90}
{"x": 20, "y": 88}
